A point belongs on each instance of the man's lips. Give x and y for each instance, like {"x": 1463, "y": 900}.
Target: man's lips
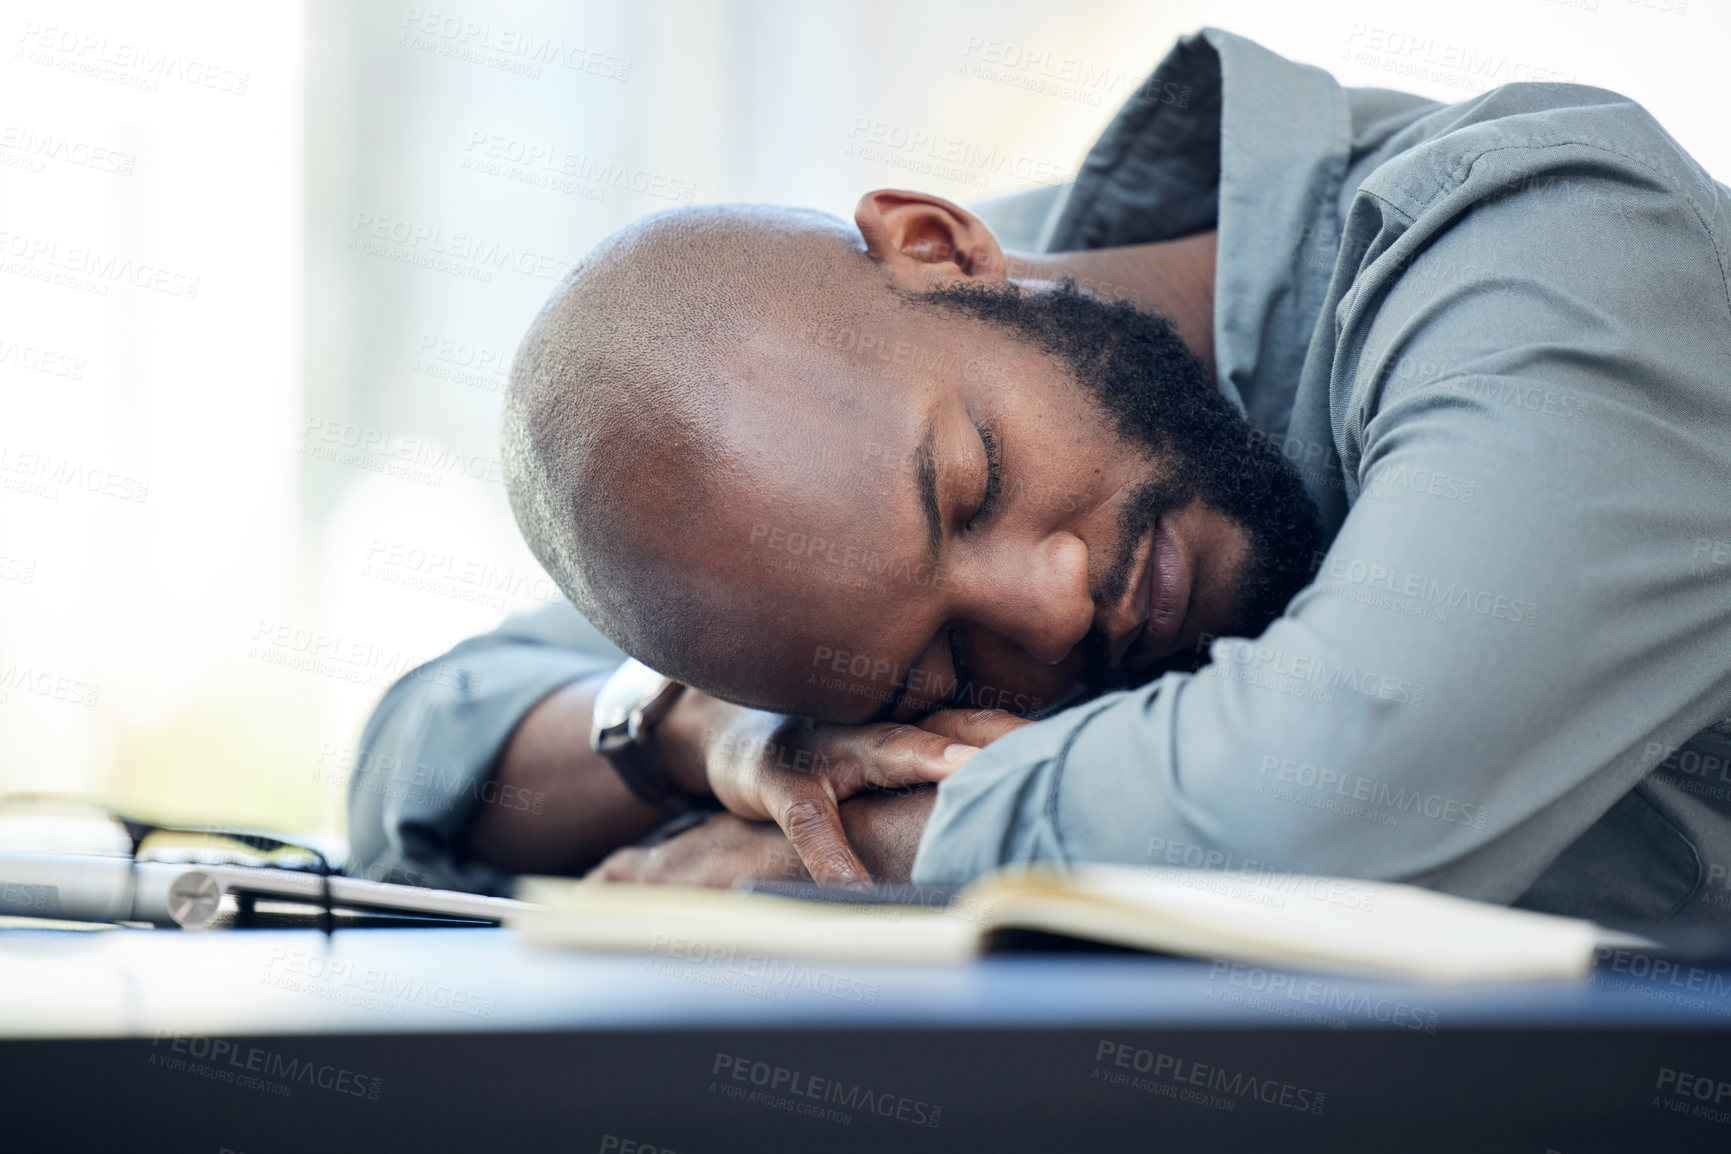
{"x": 1164, "y": 593}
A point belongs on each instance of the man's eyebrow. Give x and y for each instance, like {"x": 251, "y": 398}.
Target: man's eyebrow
{"x": 926, "y": 477}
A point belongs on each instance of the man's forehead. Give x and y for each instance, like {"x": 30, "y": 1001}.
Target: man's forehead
{"x": 820, "y": 493}
{"x": 820, "y": 517}
{"x": 796, "y": 417}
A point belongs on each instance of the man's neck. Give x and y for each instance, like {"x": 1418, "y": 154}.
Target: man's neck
{"x": 1172, "y": 277}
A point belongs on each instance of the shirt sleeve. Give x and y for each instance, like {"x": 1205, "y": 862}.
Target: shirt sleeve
{"x": 1513, "y": 623}
{"x": 427, "y": 755}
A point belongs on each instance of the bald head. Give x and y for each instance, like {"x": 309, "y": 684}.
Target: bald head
{"x": 617, "y": 396}
{"x": 851, "y": 474}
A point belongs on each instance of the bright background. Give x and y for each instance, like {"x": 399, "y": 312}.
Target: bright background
{"x": 230, "y": 514}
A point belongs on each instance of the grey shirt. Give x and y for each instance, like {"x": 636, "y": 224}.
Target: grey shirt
{"x": 1495, "y": 337}
{"x": 425, "y": 761}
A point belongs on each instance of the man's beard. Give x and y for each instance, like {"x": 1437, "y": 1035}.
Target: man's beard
{"x": 1160, "y": 398}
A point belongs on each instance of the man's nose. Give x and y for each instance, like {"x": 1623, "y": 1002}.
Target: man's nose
{"x": 1040, "y": 601}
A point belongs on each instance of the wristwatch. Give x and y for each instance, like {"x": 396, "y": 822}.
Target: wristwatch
{"x": 631, "y": 702}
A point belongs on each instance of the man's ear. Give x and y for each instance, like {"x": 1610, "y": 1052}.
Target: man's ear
{"x": 921, "y": 239}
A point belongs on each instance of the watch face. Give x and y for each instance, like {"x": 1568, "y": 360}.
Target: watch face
{"x": 610, "y": 714}
{"x": 631, "y": 685}
{"x": 626, "y": 710}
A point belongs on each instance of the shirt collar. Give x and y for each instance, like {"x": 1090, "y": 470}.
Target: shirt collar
{"x": 1228, "y": 135}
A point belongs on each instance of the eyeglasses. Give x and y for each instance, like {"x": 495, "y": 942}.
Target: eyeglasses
{"x": 62, "y": 856}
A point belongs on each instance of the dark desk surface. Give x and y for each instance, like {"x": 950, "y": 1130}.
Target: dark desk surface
{"x": 463, "y": 1039}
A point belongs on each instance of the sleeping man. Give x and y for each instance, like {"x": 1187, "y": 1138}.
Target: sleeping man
{"x": 1340, "y": 483}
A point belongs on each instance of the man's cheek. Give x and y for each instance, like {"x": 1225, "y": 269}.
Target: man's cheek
{"x": 1022, "y": 687}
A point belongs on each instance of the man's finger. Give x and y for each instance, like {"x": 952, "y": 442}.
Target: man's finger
{"x": 890, "y": 756}
{"x": 622, "y": 865}
{"x": 977, "y": 727}
{"x": 813, "y": 827}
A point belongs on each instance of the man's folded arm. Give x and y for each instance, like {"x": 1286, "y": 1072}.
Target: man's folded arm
{"x": 1506, "y": 627}
{"x": 425, "y": 767}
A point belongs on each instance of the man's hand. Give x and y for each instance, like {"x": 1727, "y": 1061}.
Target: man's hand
{"x": 766, "y": 767}
{"x": 717, "y": 853}
{"x": 976, "y": 727}
{"x": 885, "y": 827}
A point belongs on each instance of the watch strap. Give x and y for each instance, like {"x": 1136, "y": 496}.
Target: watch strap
{"x": 628, "y": 708}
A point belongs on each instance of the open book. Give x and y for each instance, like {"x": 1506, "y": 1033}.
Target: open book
{"x": 1350, "y": 927}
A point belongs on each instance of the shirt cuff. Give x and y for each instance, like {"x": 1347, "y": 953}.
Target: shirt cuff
{"x": 1001, "y": 807}
{"x": 427, "y": 757}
